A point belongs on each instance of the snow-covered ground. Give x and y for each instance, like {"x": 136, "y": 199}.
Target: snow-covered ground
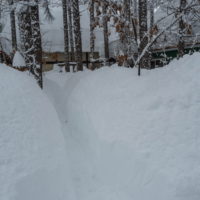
{"x": 115, "y": 135}
{"x": 132, "y": 137}
{"x": 33, "y": 157}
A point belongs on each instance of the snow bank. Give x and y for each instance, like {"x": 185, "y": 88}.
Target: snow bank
{"x": 32, "y": 150}
{"x": 136, "y": 137}
{"x": 18, "y": 60}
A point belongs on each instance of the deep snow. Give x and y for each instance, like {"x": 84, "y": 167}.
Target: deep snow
{"x": 132, "y": 137}
{"x": 33, "y": 158}
{"x": 115, "y": 135}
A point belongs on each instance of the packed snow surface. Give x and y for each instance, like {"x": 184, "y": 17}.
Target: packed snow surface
{"x": 33, "y": 161}
{"x": 132, "y": 137}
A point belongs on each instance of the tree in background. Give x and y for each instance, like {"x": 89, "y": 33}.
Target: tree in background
{"x": 66, "y": 34}
{"x": 181, "y": 43}
{"x": 105, "y": 30}
{"x": 92, "y": 28}
{"x": 133, "y": 20}
{"x": 151, "y": 13}
{"x": 13, "y": 26}
{"x": 77, "y": 34}
{"x": 188, "y": 14}
{"x": 70, "y": 27}
{"x": 143, "y": 28}
{"x": 37, "y": 41}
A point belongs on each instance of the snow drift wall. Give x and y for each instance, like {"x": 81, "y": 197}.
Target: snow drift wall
{"x": 33, "y": 161}
{"x": 137, "y": 137}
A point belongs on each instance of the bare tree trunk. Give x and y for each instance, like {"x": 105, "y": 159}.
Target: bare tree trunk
{"x": 181, "y": 43}
{"x": 92, "y": 35}
{"x": 26, "y": 36}
{"x": 77, "y": 34}
{"x": 105, "y": 32}
{"x": 144, "y": 63}
{"x": 135, "y": 9}
{"x": 151, "y": 7}
{"x": 13, "y": 27}
{"x": 21, "y": 30}
{"x": 71, "y": 36}
{"x": 127, "y": 5}
{"x": 151, "y": 27}
{"x": 127, "y": 27}
{"x": 37, "y": 42}
{"x": 66, "y": 36}
{"x": 135, "y": 25}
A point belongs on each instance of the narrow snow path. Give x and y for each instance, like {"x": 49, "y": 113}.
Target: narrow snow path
{"x": 79, "y": 155}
